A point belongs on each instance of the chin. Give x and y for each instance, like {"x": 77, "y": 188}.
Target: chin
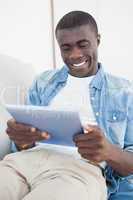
{"x": 79, "y": 74}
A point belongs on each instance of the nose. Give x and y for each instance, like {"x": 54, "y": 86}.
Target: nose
{"x": 76, "y": 53}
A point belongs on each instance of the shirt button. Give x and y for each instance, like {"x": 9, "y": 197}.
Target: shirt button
{"x": 130, "y": 181}
{"x": 97, "y": 113}
{"x": 114, "y": 118}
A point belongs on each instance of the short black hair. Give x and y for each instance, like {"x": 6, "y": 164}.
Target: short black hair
{"x": 75, "y": 19}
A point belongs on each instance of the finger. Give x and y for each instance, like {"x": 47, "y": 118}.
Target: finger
{"x": 26, "y": 130}
{"x": 89, "y": 151}
{"x": 31, "y": 132}
{"x": 41, "y": 136}
{"x": 18, "y": 126}
{"x": 92, "y": 144}
{"x": 84, "y": 137}
{"x": 30, "y": 136}
{"x": 94, "y": 159}
{"x": 25, "y": 146}
{"x": 91, "y": 128}
{"x": 33, "y": 129}
{"x": 88, "y": 127}
{"x": 36, "y": 134}
{"x": 22, "y": 145}
{"x": 45, "y": 135}
{"x": 78, "y": 138}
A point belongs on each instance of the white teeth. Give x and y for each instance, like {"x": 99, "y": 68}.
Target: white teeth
{"x": 79, "y": 64}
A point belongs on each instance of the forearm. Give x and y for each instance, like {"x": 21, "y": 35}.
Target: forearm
{"x": 121, "y": 161}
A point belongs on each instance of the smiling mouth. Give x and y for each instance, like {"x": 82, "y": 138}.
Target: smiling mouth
{"x": 79, "y": 64}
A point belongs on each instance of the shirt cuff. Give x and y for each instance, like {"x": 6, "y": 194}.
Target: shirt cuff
{"x": 13, "y": 147}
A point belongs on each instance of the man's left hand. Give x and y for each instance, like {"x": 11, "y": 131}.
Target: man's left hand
{"x": 93, "y": 145}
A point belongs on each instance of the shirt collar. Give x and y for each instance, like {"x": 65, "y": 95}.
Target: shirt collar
{"x": 96, "y": 82}
{"x": 98, "y": 79}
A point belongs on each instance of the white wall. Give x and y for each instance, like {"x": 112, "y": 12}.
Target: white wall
{"x": 25, "y": 32}
{"x": 116, "y": 27}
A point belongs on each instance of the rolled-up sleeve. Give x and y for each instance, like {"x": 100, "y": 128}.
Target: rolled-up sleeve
{"x": 129, "y": 131}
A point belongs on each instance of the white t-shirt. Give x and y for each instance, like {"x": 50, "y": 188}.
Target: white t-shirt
{"x": 74, "y": 96}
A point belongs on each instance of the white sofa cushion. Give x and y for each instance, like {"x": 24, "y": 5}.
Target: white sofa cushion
{"x": 5, "y": 143}
{"x": 15, "y": 79}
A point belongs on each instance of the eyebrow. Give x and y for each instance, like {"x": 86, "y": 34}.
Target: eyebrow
{"x": 65, "y": 44}
{"x": 78, "y": 42}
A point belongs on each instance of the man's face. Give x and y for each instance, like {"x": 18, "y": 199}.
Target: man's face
{"x": 78, "y": 48}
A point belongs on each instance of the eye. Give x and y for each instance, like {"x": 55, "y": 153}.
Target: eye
{"x": 65, "y": 48}
{"x": 84, "y": 44}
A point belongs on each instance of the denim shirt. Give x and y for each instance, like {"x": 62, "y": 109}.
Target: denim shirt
{"x": 112, "y": 103}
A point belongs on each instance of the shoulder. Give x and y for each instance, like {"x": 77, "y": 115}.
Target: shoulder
{"x": 42, "y": 79}
{"x": 121, "y": 91}
{"x": 117, "y": 83}
{"x": 39, "y": 86}
{"x": 47, "y": 75}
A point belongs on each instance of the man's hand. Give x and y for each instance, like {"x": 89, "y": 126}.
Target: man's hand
{"x": 24, "y": 136}
{"x": 93, "y": 145}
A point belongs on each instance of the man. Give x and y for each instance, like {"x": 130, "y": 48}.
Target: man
{"x": 110, "y": 140}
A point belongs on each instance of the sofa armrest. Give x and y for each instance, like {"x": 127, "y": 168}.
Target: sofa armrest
{"x": 5, "y": 143}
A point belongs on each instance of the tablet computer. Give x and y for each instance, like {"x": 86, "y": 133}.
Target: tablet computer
{"x": 62, "y": 125}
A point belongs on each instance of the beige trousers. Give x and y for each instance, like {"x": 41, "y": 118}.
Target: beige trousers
{"x": 42, "y": 174}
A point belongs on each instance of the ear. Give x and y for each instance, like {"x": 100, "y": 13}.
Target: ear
{"x": 98, "y": 39}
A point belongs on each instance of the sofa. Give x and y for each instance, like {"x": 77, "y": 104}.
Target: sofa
{"x": 15, "y": 79}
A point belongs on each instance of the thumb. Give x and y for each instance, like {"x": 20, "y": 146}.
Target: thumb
{"x": 87, "y": 129}
{"x": 45, "y": 135}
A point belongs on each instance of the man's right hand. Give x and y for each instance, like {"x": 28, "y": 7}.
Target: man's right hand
{"x": 24, "y": 136}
